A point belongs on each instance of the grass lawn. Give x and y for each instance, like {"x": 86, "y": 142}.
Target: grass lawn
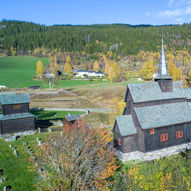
{"x": 20, "y": 171}
{"x": 18, "y": 72}
{"x": 53, "y": 115}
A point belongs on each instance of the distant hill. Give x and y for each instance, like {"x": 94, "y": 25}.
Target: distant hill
{"x": 123, "y": 39}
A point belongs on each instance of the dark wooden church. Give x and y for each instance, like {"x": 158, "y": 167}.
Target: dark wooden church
{"x": 157, "y": 115}
{"x": 15, "y": 116}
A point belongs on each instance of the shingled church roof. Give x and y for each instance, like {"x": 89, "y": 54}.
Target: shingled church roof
{"x": 144, "y": 92}
{"x": 126, "y": 125}
{"x": 163, "y": 115}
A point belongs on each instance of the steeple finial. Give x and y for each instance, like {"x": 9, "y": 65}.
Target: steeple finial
{"x": 163, "y": 67}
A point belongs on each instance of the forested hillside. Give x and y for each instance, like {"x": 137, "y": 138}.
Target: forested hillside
{"x": 119, "y": 38}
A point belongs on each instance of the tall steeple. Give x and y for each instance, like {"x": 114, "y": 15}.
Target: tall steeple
{"x": 163, "y": 77}
{"x": 163, "y": 67}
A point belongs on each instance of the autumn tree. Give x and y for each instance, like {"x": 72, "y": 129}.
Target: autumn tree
{"x": 68, "y": 68}
{"x": 68, "y": 59}
{"x": 54, "y": 65}
{"x": 147, "y": 70}
{"x": 114, "y": 71}
{"x": 39, "y": 68}
{"x": 77, "y": 159}
{"x": 188, "y": 78}
{"x": 96, "y": 66}
{"x": 13, "y": 51}
{"x": 175, "y": 73}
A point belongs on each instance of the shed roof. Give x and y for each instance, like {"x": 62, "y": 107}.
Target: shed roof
{"x": 14, "y": 98}
{"x": 163, "y": 115}
{"x": 151, "y": 91}
{"x": 126, "y": 125}
{"x": 15, "y": 116}
{"x": 72, "y": 117}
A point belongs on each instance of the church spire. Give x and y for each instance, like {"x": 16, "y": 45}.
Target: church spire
{"x": 163, "y": 67}
{"x": 163, "y": 77}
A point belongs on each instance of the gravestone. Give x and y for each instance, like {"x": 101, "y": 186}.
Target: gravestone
{"x": 16, "y": 154}
{"x": 39, "y": 143}
{"x": 16, "y": 137}
{"x": 40, "y": 130}
{"x": 1, "y": 180}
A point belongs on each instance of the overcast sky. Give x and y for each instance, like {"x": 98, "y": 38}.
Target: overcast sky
{"x": 50, "y": 12}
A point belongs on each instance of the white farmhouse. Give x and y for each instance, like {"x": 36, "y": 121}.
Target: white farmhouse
{"x": 86, "y": 73}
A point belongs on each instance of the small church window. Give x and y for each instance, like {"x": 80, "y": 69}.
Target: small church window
{"x": 179, "y": 134}
{"x": 119, "y": 141}
{"x": 164, "y": 137}
{"x": 16, "y": 106}
{"x": 152, "y": 131}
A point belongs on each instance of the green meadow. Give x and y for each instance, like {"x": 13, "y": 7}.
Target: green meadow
{"x": 53, "y": 115}
{"x": 19, "y": 72}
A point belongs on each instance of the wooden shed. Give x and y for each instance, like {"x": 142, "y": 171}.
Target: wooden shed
{"x": 70, "y": 120}
{"x": 15, "y": 116}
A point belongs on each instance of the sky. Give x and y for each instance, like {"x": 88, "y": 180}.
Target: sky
{"x": 75, "y": 12}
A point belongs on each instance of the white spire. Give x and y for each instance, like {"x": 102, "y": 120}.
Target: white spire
{"x": 163, "y": 67}
{"x": 163, "y": 60}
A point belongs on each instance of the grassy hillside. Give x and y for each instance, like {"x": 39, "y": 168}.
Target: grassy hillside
{"x": 18, "y": 72}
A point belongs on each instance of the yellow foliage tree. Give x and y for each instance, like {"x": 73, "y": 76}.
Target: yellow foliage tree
{"x": 120, "y": 107}
{"x": 114, "y": 71}
{"x": 68, "y": 59}
{"x": 96, "y": 66}
{"x": 39, "y": 68}
{"x": 174, "y": 72}
{"x": 68, "y": 68}
{"x": 147, "y": 70}
{"x": 54, "y": 66}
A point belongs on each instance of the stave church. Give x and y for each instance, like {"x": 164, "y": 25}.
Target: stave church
{"x": 156, "y": 120}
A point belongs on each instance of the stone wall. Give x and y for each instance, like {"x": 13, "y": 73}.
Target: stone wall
{"x": 137, "y": 155}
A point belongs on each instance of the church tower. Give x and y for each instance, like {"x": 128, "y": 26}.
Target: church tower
{"x": 163, "y": 77}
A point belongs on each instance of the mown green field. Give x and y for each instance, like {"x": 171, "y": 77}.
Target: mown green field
{"x": 53, "y": 115}
{"x": 19, "y": 71}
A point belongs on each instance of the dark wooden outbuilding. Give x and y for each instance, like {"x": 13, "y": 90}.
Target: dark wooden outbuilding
{"x": 70, "y": 120}
{"x": 157, "y": 115}
{"x": 15, "y": 115}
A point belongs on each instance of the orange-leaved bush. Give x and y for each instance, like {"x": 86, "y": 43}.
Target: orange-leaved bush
{"x": 79, "y": 158}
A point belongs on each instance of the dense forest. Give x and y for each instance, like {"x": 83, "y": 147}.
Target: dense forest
{"x": 121, "y": 39}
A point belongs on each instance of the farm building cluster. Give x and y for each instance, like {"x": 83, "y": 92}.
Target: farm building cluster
{"x": 157, "y": 116}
